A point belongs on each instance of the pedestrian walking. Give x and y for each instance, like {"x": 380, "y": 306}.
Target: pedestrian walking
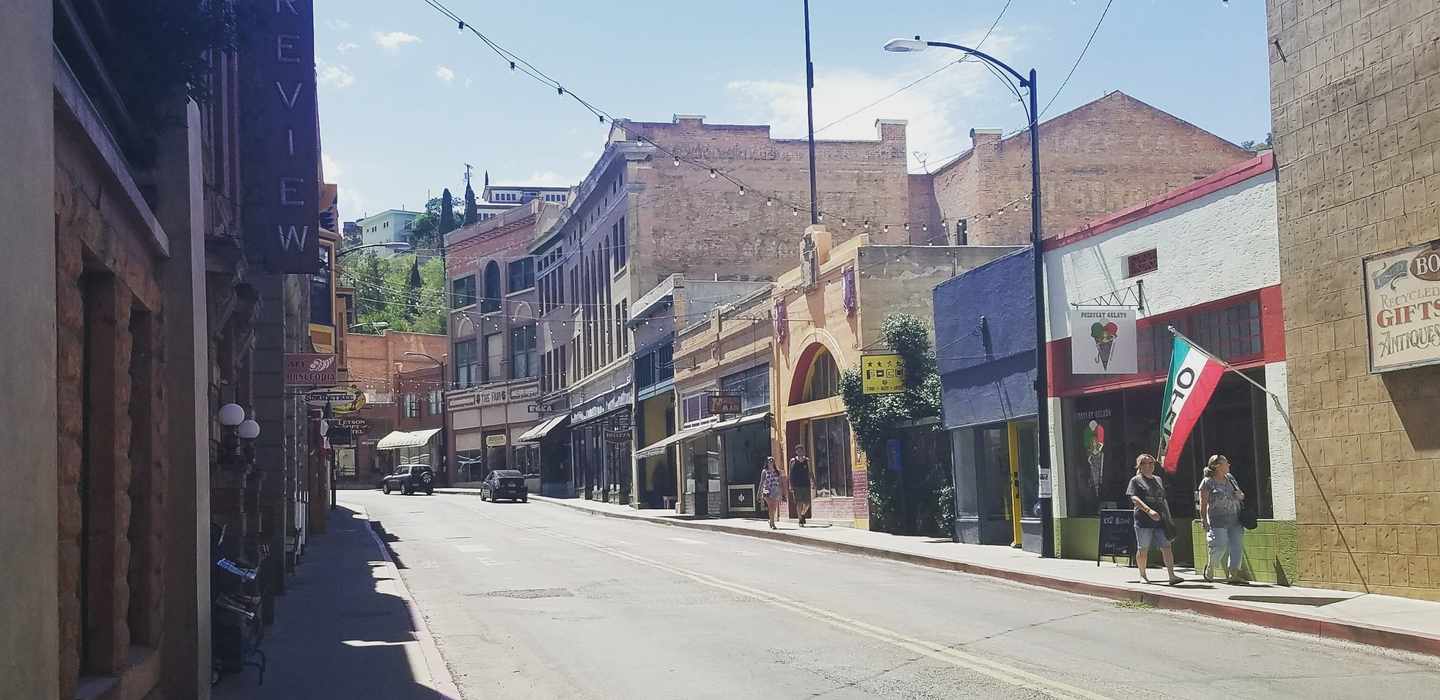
{"x": 1153, "y": 525}
{"x": 770, "y": 489}
{"x": 1220, "y": 500}
{"x": 800, "y": 481}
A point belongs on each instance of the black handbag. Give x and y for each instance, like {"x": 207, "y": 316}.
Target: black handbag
{"x": 1249, "y": 519}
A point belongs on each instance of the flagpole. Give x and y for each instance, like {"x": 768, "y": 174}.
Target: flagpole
{"x": 1285, "y": 415}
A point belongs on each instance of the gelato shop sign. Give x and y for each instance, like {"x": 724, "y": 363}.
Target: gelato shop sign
{"x": 1402, "y": 307}
{"x": 1102, "y": 340}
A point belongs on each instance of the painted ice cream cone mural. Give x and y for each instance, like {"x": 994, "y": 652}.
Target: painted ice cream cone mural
{"x": 1095, "y": 452}
{"x": 1104, "y": 336}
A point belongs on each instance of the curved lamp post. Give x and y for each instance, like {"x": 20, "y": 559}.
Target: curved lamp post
{"x": 1042, "y": 406}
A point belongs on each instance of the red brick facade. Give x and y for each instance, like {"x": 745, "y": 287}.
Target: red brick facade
{"x": 1098, "y": 158}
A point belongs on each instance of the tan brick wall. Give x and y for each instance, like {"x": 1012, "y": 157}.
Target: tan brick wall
{"x": 1355, "y": 100}
{"x": 1101, "y": 157}
{"x": 687, "y": 222}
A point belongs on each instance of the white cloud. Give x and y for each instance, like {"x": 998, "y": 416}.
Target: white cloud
{"x": 333, "y": 170}
{"x": 346, "y": 46}
{"x": 444, "y": 73}
{"x": 334, "y": 75}
{"x": 543, "y": 178}
{"x": 392, "y": 41}
{"x": 933, "y": 108}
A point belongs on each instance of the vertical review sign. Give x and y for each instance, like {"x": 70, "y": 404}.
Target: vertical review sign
{"x": 279, "y": 133}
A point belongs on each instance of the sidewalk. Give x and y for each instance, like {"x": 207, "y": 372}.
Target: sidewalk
{"x": 346, "y": 627}
{"x": 1385, "y": 621}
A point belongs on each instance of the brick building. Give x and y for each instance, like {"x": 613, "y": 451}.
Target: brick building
{"x": 642, "y": 215}
{"x": 1095, "y": 159}
{"x": 373, "y": 360}
{"x": 1352, "y": 88}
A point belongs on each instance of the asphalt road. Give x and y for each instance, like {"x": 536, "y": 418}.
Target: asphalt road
{"x": 541, "y": 601}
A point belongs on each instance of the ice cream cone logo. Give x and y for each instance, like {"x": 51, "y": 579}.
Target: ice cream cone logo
{"x": 1104, "y": 336}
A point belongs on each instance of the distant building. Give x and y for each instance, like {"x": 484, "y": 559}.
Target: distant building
{"x": 498, "y": 198}
{"x": 391, "y": 225}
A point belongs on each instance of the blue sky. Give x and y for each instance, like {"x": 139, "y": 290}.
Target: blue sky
{"x": 406, "y": 100}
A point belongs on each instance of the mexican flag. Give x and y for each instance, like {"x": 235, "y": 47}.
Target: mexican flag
{"x": 1193, "y": 376}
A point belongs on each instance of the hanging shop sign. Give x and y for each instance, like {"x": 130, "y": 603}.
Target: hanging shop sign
{"x": 310, "y": 369}
{"x": 357, "y": 426}
{"x": 723, "y": 403}
{"x": 1402, "y": 307}
{"x": 495, "y": 440}
{"x": 882, "y": 373}
{"x": 279, "y": 139}
{"x": 339, "y": 399}
{"x": 1102, "y": 340}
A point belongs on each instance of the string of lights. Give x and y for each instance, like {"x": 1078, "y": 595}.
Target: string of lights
{"x": 518, "y": 63}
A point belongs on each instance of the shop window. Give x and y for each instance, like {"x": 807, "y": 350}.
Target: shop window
{"x": 469, "y": 464}
{"x": 753, "y": 386}
{"x": 462, "y": 292}
{"x": 467, "y": 367}
{"x": 831, "y": 459}
{"x": 823, "y": 379}
{"x": 695, "y": 407}
{"x": 1141, "y": 263}
{"x": 411, "y": 405}
{"x": 434, "y": 400}
{"x": 523, "y": 352}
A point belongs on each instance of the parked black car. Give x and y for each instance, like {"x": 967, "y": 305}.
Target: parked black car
{"x": 504, "y": 483}
{"x": 410, "y": 478}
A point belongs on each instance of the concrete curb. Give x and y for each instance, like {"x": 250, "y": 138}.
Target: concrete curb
{"x": 441, "y": 680}
{"x": 1373, "y": 635}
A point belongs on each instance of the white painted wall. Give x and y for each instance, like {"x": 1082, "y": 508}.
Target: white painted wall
{"x": 1282, "y": 468}
{"x": 1217, "y": 246}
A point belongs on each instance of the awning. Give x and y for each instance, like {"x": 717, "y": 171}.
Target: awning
{"x": 742, "y": 420}
{"x": 537, "y": 433}
{"x": 658, "y": 448}
{"x": 398, "y": 439}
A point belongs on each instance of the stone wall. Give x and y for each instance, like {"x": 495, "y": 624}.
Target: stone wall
{"x": 1356, "y": 121}
{"x": 1098, "y": 158}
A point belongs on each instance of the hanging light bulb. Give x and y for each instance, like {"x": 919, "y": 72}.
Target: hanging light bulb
{"x": 677, "y": 162}
{"x": 602, "y": 118}
{"x": 769, "y": 202}
{"x": 907, "y": 225}
{"x": 462, "y": 25}
{"x": 867, "y": 224}
{"x": 820, "y": 216}
{"x": 885, "y": 228}
{"x": 742, "y": 190}
{"x": 925, "y": 228}
{"x": 512, "y": 65}
{"x": 712, "y": 173}
{"x": 794, "y": 211}
{"x": 560, "y": 91}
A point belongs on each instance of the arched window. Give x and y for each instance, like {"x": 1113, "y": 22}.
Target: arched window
{"x": 491, "y": 301}
{"x": 823, "y": 379}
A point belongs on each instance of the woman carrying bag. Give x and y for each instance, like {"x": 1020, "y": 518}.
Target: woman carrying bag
{"x": 1153, "y": 526}
{"x": 1220, "y": 505}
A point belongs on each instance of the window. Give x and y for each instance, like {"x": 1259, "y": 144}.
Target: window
{"x": 494, "y": 358}
{"x": 753, "y": 386}
{"x": 462, "y": 292}
{"x": 492, "y": 288}
{"x": 387, "y": 225}
{"x": 434, "y": 408}
{"x": 655, "y": 366}
{"x": 522, "y": 274}
{"x": 823, "y": 380}
{"x": 522, "y": 352}
{"x": 621, "y": 244}
{"x": 624, "y": 326}
{"x": 466, "y": 367}
{"x": 832, "y": 456}
{"x": 695, "y": 407}
{"x": 1141, "y": 263}
{"x": 411, "y": 403}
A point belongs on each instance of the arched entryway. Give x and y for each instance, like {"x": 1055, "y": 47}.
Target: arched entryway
{"x": 816, "y": 422}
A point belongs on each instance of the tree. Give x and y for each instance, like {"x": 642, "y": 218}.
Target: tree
{"x": 387, "y": 291}
{"x": 472, "y": 213}
{"x": 428, "y": 229}
{"x": 447, "y": 212}
{"x": 877, "y": 418}
{"x": 1257, "y": 146}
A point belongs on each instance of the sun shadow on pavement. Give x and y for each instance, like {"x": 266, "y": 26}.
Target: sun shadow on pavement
{"x": 340, "y": 631}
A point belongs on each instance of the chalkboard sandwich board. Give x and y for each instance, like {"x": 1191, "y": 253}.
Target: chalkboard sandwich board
{"x": 1117, "y": 533}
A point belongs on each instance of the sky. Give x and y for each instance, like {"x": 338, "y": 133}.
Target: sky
{"x": 407, "y": 100}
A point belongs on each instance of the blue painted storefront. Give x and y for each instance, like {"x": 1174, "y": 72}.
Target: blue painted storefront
{"x": 985, "y": 347}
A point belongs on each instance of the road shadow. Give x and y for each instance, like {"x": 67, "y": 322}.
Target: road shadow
{"x": 336, "y": 633}
{"x": 386, "y": 538}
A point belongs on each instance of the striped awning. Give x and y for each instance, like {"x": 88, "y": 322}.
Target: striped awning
{"x": 657, "y": 448}
{"x": 399, "y": 439}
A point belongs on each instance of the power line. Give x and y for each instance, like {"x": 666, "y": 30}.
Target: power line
{"x": 925, "y": 77}
{"x": 1079, "y": 58}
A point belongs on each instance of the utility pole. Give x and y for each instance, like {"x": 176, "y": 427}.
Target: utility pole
{"x": 810, "y": 116}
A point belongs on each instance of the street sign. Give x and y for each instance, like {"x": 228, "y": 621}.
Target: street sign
{"x": 882, "y": 373}
{"x": 310, "y": 368}
{"x": 339, "y": 399}
{"x": 724, "y": 403}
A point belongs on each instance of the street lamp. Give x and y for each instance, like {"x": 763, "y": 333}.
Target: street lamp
{"x": 444, "y": 417}
{"x": 1042, "y": 406}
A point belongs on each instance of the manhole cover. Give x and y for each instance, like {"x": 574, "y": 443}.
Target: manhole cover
{"x": 529, "y": 593}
